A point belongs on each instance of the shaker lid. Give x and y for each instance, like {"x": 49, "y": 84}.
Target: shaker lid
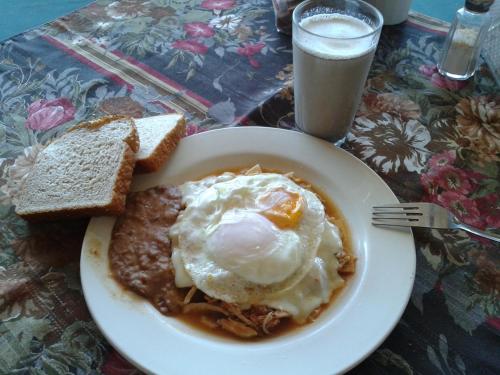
{"x": 479, "y": 6}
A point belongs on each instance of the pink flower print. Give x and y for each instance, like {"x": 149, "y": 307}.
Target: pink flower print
{"x": 254, "y": 63}
{"x": 217, "y": 4}
{"x": 190, "y": 46}
{"x": 438, "y": 80}
{"x": 493, "y": 220}
{"x": 198, "y": 29}
{"x": 429, "y": 184}
{"x": 439, "y": 286}
{"x": 475, "y": 176}
{"x": 250, "y": 49}
{"x": 494, "y": 321}
{"x": 461, "y": 206}
{"x": 47, "y": 114}
{"x": 440, "y": 160}
{"x": 428, "y": 70}
{"x": 445, "y": 83}
{"x": 453, "y": 179}
{"x": 431, "y": 71}
{"x": 193, "y": 129}
{"x": 489, "y": 206}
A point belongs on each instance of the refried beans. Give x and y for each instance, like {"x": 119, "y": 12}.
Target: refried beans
{"x": 140, "y": 248}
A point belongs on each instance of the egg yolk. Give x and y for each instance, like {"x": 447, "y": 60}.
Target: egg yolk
{"x": 282, "y": 207}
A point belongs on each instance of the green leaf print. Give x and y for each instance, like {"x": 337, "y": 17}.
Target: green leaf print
{"x": 15, "y": 339}
{"x": 80, "y": 347}
{"x": 388, "y": 358}
{"x": 456, "y": 367}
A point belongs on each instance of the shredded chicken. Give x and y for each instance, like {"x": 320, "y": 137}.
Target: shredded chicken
{"x": 259, "y": 317}
{"x": 347, "y": 263}
{"x": 236, "y": 311}
{"x": 256, "y": 318}
{"x": 203, "y": 307}
{"x": 268, "y": 318}
{"x": 190, "y": 295}
{"x": 300, "y": 182}
{"x": 210, "y": 323}
{"x": 272, "y": 319}
{"x": 256, "y": 169}
{"x": 314, "y": 314}
{"x": 237, "y": 328}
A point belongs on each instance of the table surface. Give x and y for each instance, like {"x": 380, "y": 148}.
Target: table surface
{"x": 223, "y": 64}
{"x": 21, "y": 15}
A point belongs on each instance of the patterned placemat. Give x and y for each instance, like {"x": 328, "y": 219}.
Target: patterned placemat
{"x": 222, "y": 63}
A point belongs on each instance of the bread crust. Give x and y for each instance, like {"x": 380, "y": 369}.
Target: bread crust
{"x": 163, "y": 151}
{"x": 132, "y": 139}
{"x": 123, "y": 181}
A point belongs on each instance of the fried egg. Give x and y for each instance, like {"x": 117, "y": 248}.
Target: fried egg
{"x": 258, "y": 239}
{"x": 317, "y": 286}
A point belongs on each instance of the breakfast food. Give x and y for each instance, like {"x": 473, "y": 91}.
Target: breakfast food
{"x": 243, "y": 253}
{"x": 159, "y": 136}
{"x": 85, "y": 172}
{"x": 88, "y": 170}
{"x": 140, "y": 252}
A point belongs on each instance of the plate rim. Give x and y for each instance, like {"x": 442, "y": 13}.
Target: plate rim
{"x": 117, "y": 346}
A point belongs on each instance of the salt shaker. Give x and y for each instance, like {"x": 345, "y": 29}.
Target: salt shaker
{"x": 462, "y": 46}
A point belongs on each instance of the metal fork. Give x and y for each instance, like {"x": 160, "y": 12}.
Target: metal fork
{"x": 426, "y": 215}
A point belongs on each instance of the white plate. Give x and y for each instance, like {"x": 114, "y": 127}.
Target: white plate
{"x": 355, "y": 325}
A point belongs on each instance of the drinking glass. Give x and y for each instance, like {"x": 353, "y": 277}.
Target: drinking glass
{"x": 334, "y": 42}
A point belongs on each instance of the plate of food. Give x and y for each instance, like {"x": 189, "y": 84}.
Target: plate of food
{"x": 250, "y": 251}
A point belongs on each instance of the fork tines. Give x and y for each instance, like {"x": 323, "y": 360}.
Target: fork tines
{"x": 404, "y": 214}
{"x": 406, "y": 206}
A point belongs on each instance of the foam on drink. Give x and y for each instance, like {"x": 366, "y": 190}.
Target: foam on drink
{"x": 335, "y": 25}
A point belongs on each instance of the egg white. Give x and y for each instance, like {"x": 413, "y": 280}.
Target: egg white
{"x": 317, "y": 286}
{"x": 207, "y": 202}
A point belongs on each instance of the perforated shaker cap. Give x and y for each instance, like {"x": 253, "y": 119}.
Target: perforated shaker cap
{"x": 480, "y": 6}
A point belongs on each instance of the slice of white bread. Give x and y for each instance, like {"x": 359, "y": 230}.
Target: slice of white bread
{"x": 159, "y": 136}
{"x": 85, "y": 172}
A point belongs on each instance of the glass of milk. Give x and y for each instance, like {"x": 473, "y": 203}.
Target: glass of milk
{"x": 334, "y": 42}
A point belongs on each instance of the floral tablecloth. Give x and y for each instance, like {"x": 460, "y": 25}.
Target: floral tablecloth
{"x": 223, "y": 64}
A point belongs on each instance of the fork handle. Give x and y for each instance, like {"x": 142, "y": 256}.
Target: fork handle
{"x": 479, "y": 232}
